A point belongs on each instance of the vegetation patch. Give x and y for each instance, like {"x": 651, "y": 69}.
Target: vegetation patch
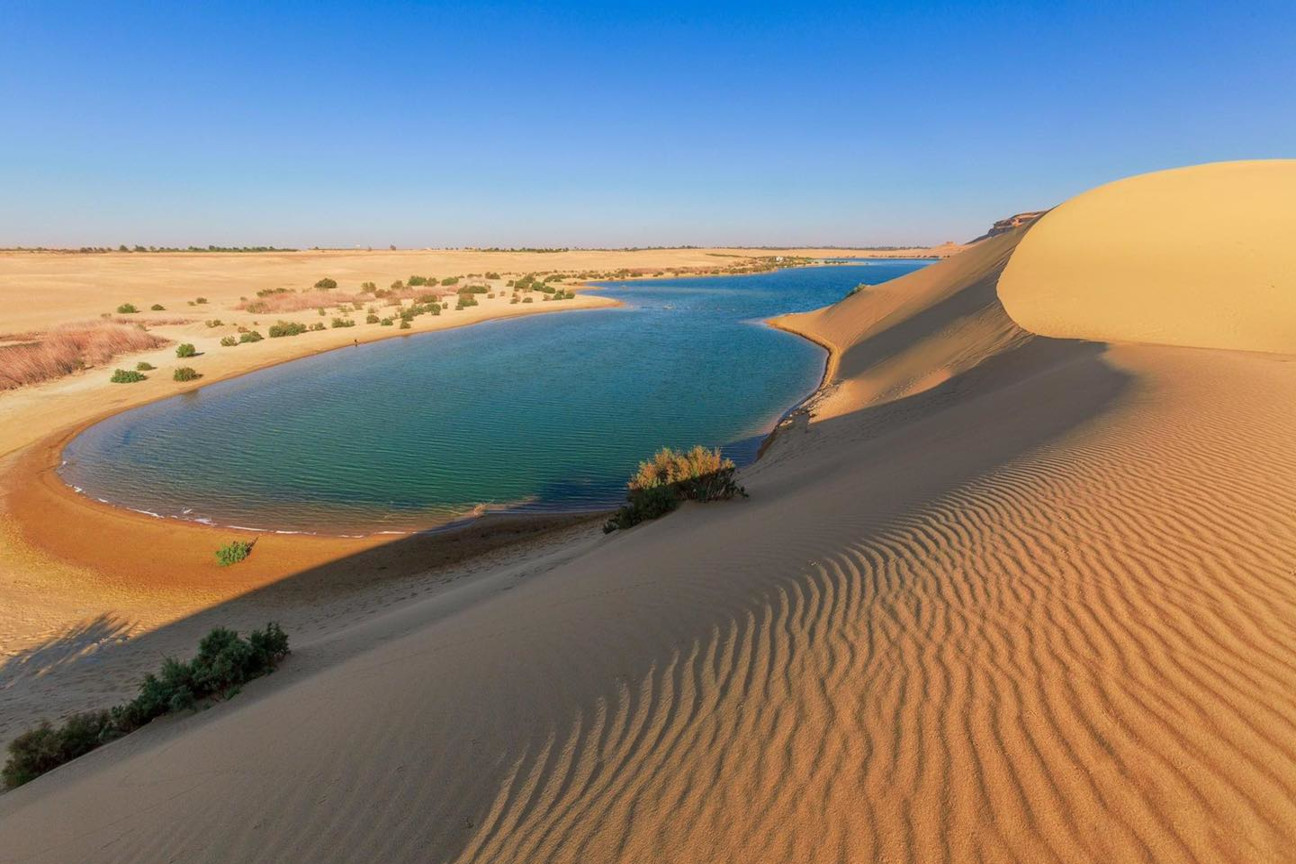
{"x": 127, "y": 376}
{"x": 224, "y": 663}
{"x": 185, "y": 373}
{"x": 186, "y": 349}
{"x": 286, "y": 328}
{"x": 144, "y": 366}
{"x": 234, "y": 551}
{"x": 670, "y": 477}
{"x": 250, "y": 336}
{"x": 127, "y": 309}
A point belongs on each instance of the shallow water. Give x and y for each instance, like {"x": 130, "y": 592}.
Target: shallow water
{"x": 550, "y": 412}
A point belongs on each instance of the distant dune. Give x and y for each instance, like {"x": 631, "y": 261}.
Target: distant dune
{"x": 995, "y": 596}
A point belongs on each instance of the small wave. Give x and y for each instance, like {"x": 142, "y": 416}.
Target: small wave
{"x": 145, "y": 512}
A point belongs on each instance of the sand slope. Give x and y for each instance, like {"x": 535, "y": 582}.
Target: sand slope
{"x": 1002, "y": 597}
{"x": 1200, "y": 256}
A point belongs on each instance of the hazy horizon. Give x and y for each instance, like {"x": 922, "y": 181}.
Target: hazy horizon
{"x": 451, "y": 126}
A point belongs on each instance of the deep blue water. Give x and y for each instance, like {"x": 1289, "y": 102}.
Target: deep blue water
{"x": 550, "y": 412}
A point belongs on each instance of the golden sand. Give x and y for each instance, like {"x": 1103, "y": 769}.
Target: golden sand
{"x": 995, "y": 596}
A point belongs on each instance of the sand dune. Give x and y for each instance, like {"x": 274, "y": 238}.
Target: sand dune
{"x": 996, "y": 596}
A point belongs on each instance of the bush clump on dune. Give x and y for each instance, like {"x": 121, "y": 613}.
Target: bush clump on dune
{"x": 250, "y": 336}
{"x": 186, "y": 349}
{"x": 228, "y": 342}
{"x": 224, "y": 663}
{"x": 186, "y": 373}
{"x": 144, "y": 366}
{"x": 126, "y": 309}
{"x": 670, "y": 477}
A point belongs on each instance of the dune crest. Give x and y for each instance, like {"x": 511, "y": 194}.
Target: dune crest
{"x": 1200, "y": 256}
{"x": 1003, "y": 597}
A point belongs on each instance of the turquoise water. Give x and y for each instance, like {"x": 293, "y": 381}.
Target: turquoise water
{"x": 550, "y": 412}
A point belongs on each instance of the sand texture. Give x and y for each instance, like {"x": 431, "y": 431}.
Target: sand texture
{"x": 995, "y": 596}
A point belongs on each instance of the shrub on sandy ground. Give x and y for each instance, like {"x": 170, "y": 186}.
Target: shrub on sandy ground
{"x": 450, "y": 280}
{"x": 234, "y": 552}
{"x": 186, "y": 349}
{"x": 343, "y": 322}
{"x": 325, "y": 284}
{"x": 670, "y": 477}
{"x": 224, "y": 663}
{"x": 250, "y": 336}
{"x": 127, "y": 309}
{"x": 185, "y": 373}
{"x": 228, "y": 342}
{"x": 144, "y": 366}
{"x": 317, "y": 326}
{"x": 405, "y": 324}
{"x": 371, "y": 318}
{"x": 287, "y": 328}
{"x": 158, "y": 307}
{"x": 63, "y": 350}
{"x": 127, "y": 376}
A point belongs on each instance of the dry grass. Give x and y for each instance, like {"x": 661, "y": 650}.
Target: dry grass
{"x": 68, "y": 348}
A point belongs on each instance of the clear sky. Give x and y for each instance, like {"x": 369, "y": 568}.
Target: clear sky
{"x": 602, "y": 124}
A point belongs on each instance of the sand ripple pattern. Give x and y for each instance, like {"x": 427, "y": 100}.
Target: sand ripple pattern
{"x": 1088, "y": 655}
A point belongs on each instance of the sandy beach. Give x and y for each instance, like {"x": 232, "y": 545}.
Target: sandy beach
{"x": 1017, "y": 584}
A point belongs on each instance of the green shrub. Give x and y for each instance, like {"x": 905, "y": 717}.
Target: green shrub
{"x": 234, "y": 552}
{"x": 670, "y": 477}
{"x": 474, "y": 289}
{"x": 158, "y": 307}
{"x": 287, "y": 328}
{"x": 228, "y": 342}
{"x": 368, "y": 287}
{"x": 126, "y": 309}
{"x": 126, "y": 376}
{"x": 514, "y": 300}
{"x": 325, "y": 284}
{"x": 215, "y": 322}
{"x": 450, "y": 280}
{"x": 371, "y": 318}
{"x": 185, "y": 373}
{"x": 528, "y": 299}
{"x": 250, "y": 336}
{"x": 317, "y": 326}
{"x": 343, "y": 322}
{"x": 225, "y": 662}
{"x": 186, "y": 349}
{"x": 386, "y": 322}
{"x": 405, "y": 324}
{"x": 144, "y": 366}
{"x": 200, "y": 300}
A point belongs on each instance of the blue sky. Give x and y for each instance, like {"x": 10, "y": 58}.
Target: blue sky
{"x": 450, "y": 124}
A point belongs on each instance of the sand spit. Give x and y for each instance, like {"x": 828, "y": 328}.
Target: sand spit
{"x": 998, "y": 597}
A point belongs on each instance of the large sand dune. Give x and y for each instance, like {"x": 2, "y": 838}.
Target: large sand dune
{"x": 997, "y": 597}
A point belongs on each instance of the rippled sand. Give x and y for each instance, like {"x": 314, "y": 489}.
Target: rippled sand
{"x": 998, "y": 597}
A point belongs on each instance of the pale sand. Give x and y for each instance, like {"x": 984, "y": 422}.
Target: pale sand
{"x": 998, "y": 597}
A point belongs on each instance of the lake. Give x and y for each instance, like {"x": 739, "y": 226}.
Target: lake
{"x": 540, "y": 413}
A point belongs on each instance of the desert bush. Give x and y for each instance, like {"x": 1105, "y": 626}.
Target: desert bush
{"x": 228, "y": 342}
{"x": 514, "y": 300}
{"x": 405, "y": 324}
{"x": 266, "y": 292}
{"x": 528, "y": 299}
{"x": 215, "y": 322}
{"x": 670, "y": 477}
{"x": 126, "y": 376}
{"x": 492, "y": 275}
{"x": 286, "y": 328}
{"x": 371, "y": 318}
{"x": 185, "y": 373}
{"x": 386, "y": 322}
{"x": 200, "y": 300}
{"x": 474, "y": 289}
{"x": 325, "y": 284}
{"x": 368, "y": 287}
{"x": 158, "y": 307}
{"x": 126, "y": 309}
{"x": 317, "y": 326}
{"x": 186, "y": 349}
{"x": 225, "y": 661}
{"x": 233, "y": 552}
{"x": 343, "y": 322}
{"x": 250, "y": 336}
{"x": 144, "y": 366}
{"x": 416, "y": 281}
{"x": 450, "y": 280}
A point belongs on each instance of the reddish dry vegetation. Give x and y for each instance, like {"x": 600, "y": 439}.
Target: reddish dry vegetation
{"x": 63, "y": 350}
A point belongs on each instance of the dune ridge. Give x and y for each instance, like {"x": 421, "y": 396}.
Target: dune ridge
{"x": 995, "y": 596}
